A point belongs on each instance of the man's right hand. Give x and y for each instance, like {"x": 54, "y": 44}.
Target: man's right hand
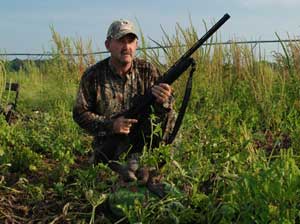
{"x": 122, "y": 125}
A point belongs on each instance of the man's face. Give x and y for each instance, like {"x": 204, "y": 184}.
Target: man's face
{"x": 122, "y": 50}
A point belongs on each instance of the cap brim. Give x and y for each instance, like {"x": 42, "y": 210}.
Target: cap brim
{"x": 124, "y": 33}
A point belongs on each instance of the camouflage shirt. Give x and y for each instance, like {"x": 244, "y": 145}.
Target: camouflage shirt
{"x": 103, "y": 94}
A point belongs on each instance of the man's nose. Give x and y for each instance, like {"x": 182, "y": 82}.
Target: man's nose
{"x": 125, "y": 45}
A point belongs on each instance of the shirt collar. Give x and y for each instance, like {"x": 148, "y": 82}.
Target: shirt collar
{"x": 131, "y": 70}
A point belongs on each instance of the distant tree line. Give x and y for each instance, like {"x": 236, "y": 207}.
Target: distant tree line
{"x": 17, "y": 64}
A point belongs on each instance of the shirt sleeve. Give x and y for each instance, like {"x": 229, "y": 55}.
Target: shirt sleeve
{"x": 84, "y": 109}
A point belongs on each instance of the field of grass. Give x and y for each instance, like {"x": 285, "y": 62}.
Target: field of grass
{"x": 235, "y": 160}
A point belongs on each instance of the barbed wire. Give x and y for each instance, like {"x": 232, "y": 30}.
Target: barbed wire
{"x": 154, "y": 47}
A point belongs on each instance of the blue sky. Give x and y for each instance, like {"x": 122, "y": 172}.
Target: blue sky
{"x": 25, "y": 25}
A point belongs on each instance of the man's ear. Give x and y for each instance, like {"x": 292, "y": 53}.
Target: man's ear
{"x": 107, "y": 44}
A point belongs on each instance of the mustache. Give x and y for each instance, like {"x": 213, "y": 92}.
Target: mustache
{"x": 126, "y": 52}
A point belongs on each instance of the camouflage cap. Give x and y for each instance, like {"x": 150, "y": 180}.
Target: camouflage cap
{"x": 120, "y": 28}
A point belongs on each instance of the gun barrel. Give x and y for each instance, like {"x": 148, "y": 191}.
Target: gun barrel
{"x": 204, "y": 38}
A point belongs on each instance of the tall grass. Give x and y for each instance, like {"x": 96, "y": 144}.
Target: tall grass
{"x": 73, "y": 53}
{"x": 2, "y": 79}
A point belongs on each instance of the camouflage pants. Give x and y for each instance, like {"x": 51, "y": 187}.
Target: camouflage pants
{"x": 111, "y": 147}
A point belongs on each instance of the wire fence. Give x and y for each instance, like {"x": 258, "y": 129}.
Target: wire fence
{"x": 256, "y": 42}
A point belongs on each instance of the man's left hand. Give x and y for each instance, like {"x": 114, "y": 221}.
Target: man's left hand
{"x": 162, "y": 92}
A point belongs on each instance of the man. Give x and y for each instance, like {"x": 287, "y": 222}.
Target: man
{"x": 111, "y": 86}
